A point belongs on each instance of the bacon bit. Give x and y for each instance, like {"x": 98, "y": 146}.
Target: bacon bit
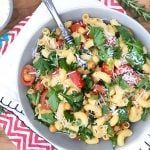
{"x": 128, "y": 74}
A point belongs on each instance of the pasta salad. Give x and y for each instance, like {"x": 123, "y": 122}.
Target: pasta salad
{"x": 93, "y": 89}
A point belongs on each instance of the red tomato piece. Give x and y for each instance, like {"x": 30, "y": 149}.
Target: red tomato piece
{"x": 99, "y": 89}
{"x": 39, "y": 86}
{"x": 75, "y": 26}
{"x": 44, "y": 100}
{"x": 59, "y": 42}
{"x": 105, "y": 68}
{"x": 28, "y": 75}
{"x": 76, "y": 78}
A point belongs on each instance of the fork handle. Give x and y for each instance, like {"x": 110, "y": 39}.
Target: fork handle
{"x": 49, "y": 4}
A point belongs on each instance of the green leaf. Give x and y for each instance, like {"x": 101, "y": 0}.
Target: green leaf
{"x": 125, "y": 33}
{"x": 135, "y": 57}
{"x": 98, "y": 36}
{"x": 43, "y": 66}
{"x": 122, "y": 83}
{"x": 114, "y": 141}
{"x": 75, "y": 100}
{"x": 53, "y": 99}
{"x": 102, "y": 53}
{"x": 123, "y": 115}
{"x": 105, "y": 109}
{"x": 117, "y": 53}
{"x": 77, "y": 40}
{"x": 144, "y": 83}
{"x": 85, "y": 133}
{"x": 69, "y": 117}
{"x": 47, "y": 118}
{"x": 34, "y": 98}
{"x": 68, "y": 67}
{"x": 88, "y": 83}
{"x": 53, "y": 58}
{"x": 110, "y": 130}
{"x": 146, "y": 114}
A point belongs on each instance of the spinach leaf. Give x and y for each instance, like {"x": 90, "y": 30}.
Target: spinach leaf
{"x": 146, "y": 114}
{"x": 47, "y": 118}
{"x": 98, "y": 36}
{"x": 53, "y": 99}
{"x": 114, "y": 141}
{"x": 53, "y": 58}
{"x": 69, "y": 117}
{"x": 123, "y": 114}
{"x": 43, "y": 66}
{"x": 63, "y": 64}
{"x": 110, "y": 130}
{"x": 144, "y": 83}
{"x": 103, "y": 54}
{"x": 105, "y": 109}
{"x": 135, "y": 57}
{"x": 122, "y": 83}
{"x": 77, "y": 41}
{"x": 34, "y": 98}
{"x": 88, "y": 83}
{"x": 117, "y": 53}
{"x": 75, "y": 100}
{"x": 125, "y": 33}
{"x": 85, "y": 133}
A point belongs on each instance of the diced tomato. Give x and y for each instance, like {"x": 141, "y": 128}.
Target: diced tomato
{"x": 59, "y": 42}
{"x": 44, "y": 100}
{"x": 99, "y": 89}
{"x": 128, "y": 74}
{"x": 28, "y": 75}
{"x": 105, "y": 68}
{"x": 76, "y": 78}
{"x": 39, "y": 86}
{"x": 75, "y": 26}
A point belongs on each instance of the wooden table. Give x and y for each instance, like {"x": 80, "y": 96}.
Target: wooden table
{"x": 24, "y": 8}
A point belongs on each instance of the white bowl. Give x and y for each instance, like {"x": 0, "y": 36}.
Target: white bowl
{"x": 61, "y": 140}
{"x": 6, "y": 9}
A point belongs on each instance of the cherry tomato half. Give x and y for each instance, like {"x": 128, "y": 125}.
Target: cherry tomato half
{"x": 76, "y": 78}
{"x": 44, "y": 100}
{"x": 28, "y": 75}
{"x": 75, "y": 26}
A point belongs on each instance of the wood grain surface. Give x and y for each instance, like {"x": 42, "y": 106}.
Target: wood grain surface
{"x": 23, "y": 8}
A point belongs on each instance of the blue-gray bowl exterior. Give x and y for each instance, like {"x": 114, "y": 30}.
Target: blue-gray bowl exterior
{"x": 61, "y": 140}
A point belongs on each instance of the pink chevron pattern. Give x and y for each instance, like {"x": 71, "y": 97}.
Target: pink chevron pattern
{"x": 22, "y": 136}
{"x": 113, "y": 4}
{"x": 13, "y": 33}
{"x": 17, "y": 131}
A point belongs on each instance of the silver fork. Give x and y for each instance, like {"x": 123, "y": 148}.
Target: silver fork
{"x": 49, "y": 4}
{"x": 68, "y": 38}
